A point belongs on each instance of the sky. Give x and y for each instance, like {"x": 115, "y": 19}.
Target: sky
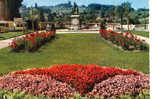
{"x": 135, "y": 3}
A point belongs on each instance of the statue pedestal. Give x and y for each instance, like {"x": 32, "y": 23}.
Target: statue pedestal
{"x": 75, "y": 22}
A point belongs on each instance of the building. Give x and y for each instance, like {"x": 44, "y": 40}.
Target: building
{"x": 4, "y": 10}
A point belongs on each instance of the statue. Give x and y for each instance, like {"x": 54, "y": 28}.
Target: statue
{"x": 75, "y": 18}
{"x": 75, "y": 9}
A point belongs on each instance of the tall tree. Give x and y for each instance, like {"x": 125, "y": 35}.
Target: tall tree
{"x": 119, "y": 13}
{"x": 13, "y": 6}
{"x": 112, "y": 15}
{"x": 102, "y": 13}
{"x": 127, "y": 11}
{"x": 42, "y": 17}
{"x": 11, "y": 9}
{"x": 51, "y": 17}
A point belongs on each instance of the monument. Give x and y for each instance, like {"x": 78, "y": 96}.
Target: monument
{"x": 75, "y": 18}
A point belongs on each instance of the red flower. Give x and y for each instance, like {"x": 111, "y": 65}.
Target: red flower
{"x": 80, "y": 77}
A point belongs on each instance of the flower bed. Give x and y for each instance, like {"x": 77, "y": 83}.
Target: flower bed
{"x": 32, "y": 41}
{"x": 127, "y": 41}
{"x": 38, "y": 84}
{"x": 121, "y": 85}
{"x": 81, "y": 78}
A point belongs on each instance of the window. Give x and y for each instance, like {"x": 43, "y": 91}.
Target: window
{"x": 2, "y": 24}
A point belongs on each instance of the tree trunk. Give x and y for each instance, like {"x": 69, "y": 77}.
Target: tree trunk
{"x": 128, "y": 23}
{"x": 113, "y": 23}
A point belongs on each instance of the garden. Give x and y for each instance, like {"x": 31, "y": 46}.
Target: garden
{"x": 126, "y": 41}
{"x": 44, "y": 65}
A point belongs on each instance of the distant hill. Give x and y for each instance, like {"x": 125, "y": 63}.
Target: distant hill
{"x": 67, "y": 7}
{"x": 100, "y": 6}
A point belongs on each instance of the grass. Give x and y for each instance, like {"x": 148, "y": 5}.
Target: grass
{"x": 8, "y": 35}
{"x": 141, "y": 33}
{"x": 74, "y": 49}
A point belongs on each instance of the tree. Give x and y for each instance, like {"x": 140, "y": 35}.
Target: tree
{"x": 119, "y": 13}
{"x": 112, "y": 15}
{"x": 102, "y": 14}
{"x": 51, "y": 17}
{"x": 13, "y": 6}
{"x": 103, "y": 24}
{"x": 127, "y": 11}
{"x": 42, "y": 17}
{"x": 133, "y": 18}
{"x": 9, "y": 9}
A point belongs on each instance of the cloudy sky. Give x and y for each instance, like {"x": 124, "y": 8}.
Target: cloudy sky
{"x": 135, "y": 3}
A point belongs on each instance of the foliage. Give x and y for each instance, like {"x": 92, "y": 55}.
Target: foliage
{"x": 15, "y": 93}
{"x": 127, "y": 41}
{"x": 127, "y": 10}
{"x": 120, "y": 13}
{"x": 14, "y": 6}
{"x": 143, "y": 95}
{"x": 114, "y": 13}
{"x": 32, "y": 41}
{"x": 42, "y": 17}
{"x": 51, "y": 17}
{"x": 103, "y": 24}
{"x": 4, "y": 94}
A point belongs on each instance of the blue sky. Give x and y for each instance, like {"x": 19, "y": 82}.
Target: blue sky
{"x": 135, "y": 3}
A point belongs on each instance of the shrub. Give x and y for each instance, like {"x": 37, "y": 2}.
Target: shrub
{"x": 103, "y": 24}
{"x": 127, "y": 40}
{"x": 32, "y": 41}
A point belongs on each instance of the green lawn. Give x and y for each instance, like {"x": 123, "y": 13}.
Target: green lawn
{"x": 8, "y": 35}
{"x": 74, "y": 49}
{"x": 141, "y": 33}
